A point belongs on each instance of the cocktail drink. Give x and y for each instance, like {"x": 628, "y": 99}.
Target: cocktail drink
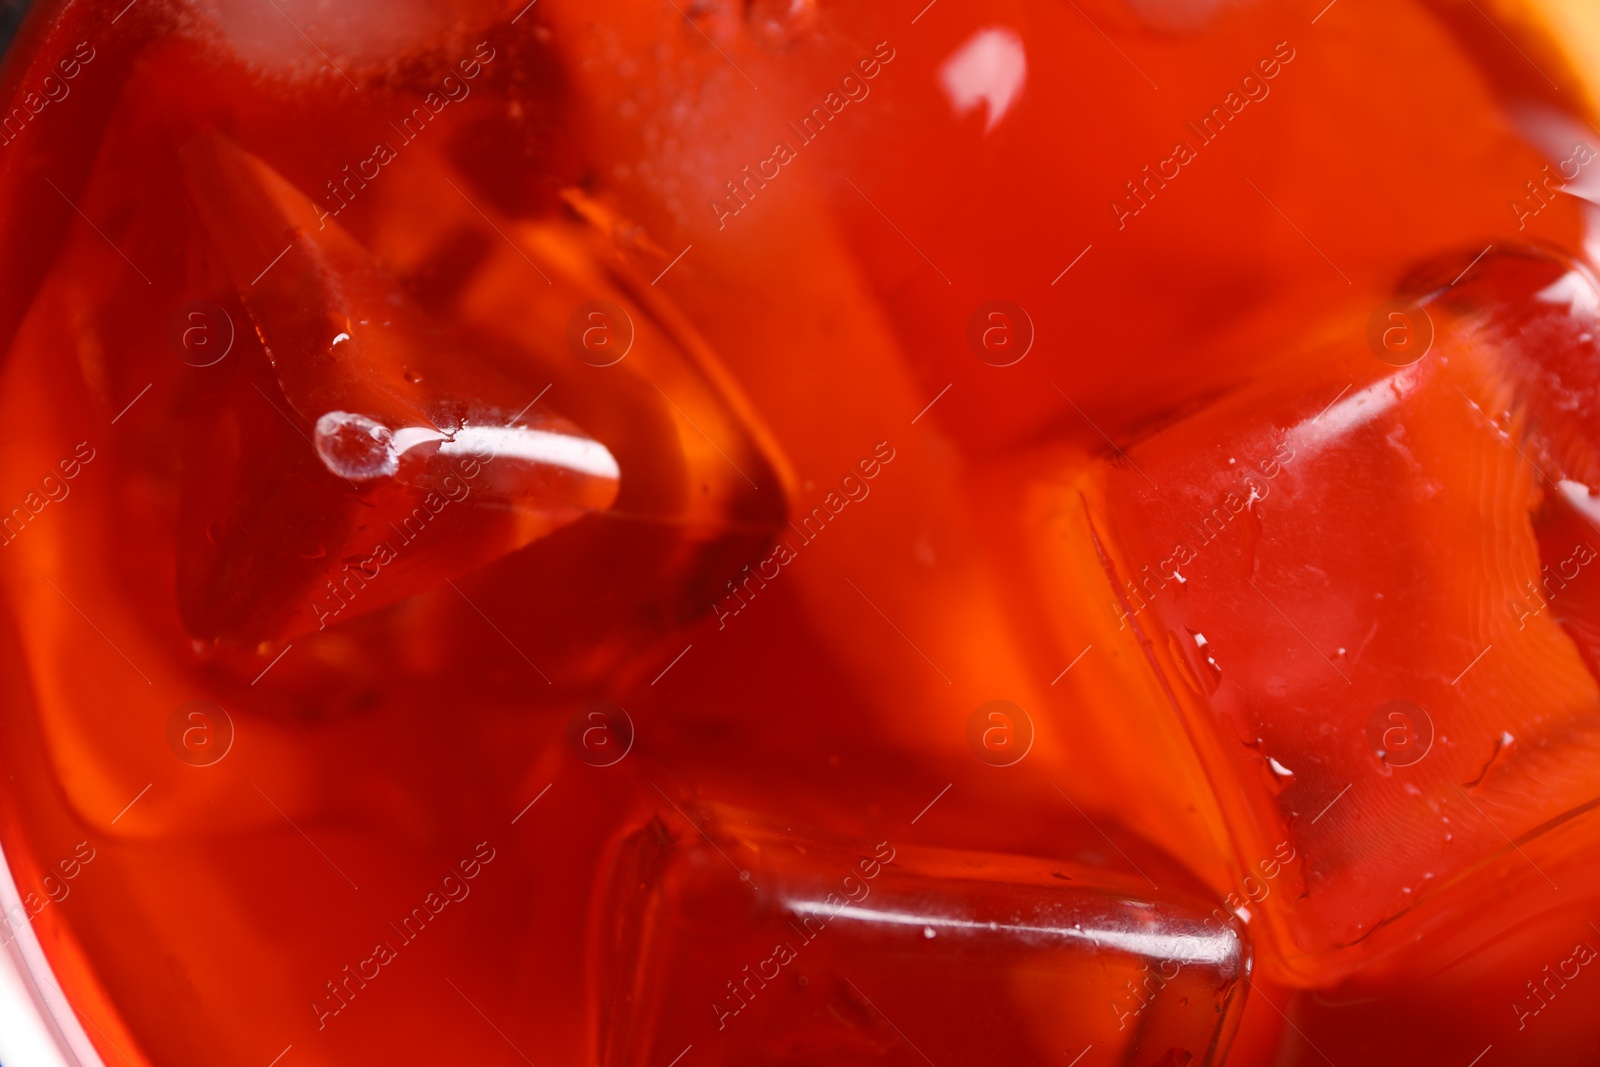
{"x": 791, "y": 532}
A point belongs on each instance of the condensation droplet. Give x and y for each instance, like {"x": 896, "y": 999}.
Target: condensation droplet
{"x": 1276, "y": 776}
{"x": 780, "y": 23}
{"x": 1210, "y": 661}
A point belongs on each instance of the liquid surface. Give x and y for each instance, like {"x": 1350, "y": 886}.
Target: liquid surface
{"x": 1073, "y": 520}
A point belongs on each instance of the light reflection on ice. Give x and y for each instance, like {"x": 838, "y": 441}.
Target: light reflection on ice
{"x": 1196, "y": 947}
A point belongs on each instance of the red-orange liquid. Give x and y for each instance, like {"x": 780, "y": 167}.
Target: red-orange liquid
{"x": 420, "y": 530}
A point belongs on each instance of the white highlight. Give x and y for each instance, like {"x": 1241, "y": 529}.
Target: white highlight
{"x": 381, "y": 459}
{"x": 37, "y": 1026}
{"x": 1557, "y": 138}
{"x": 1150, "y": 944}
{"x": 579, "y": 454}
{"x": 991, "y": 68}
{"x": 1577, "y": 495}
{"x": 1573, "y": 291}
{"x": 409, "y": 437}
{"x": 1357, "y": 409}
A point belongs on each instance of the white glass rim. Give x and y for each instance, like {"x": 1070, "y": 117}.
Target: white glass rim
{"x": 38, "y": 1027}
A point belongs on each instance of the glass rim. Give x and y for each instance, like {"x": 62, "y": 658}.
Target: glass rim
{"x": 38, "y": 1025}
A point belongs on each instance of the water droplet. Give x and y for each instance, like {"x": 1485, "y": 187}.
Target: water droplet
{"x": 780, "y": 23}
{"x": 1210, "y": 662}
{"x": 1203, "y": 678}
{"x": 1276, "y": 776}
{"x": 356, "y": 447}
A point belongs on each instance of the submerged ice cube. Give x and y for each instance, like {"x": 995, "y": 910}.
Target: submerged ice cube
{"x": 423, "y": 469}
{"x": 753, "y": 940}
{"x": 1394, "y": 593}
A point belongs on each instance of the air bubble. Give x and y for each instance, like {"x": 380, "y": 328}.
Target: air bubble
{"x": 356, "y": 447}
